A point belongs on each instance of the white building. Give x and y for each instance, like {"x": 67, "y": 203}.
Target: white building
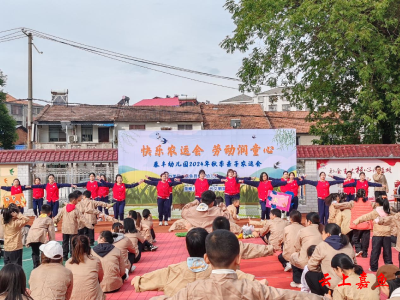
{"x": 97, "y": 126}
{"x": 275, "y": 100}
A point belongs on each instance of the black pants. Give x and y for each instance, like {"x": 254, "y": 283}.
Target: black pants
{"x": 13, "y": 257}
{"x": 350, "y": 236}
{"x": 379, "y": 242}
{"x": 297, "y": 272}
{"x": 131, "y": 257}
{"x": 88, "y": 232}
{"x": 66, "y": 245}
{"x": 380, "y": 193}
{"x": 312, "y": 279}
{"x": 282, "y": 260}
{"x": 140, "y": 249}
{"x": 294, "y": 205}
{"x": 153, "y": 234}
{"x": 35, "y": 254}
{"x": 360, "y": 240}
{"x": 265, "y": 237}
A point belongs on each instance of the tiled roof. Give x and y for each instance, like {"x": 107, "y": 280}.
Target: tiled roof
{"x": 158, "y": 102}
{"x": 289, "y": 119}
{"x": 113, "y": 113}
{"x": 71, "y": 155}
{"x": 11, "y": 99}
{"x": 160, "y": 114}
{"x": 238, "y": 98}
{"x": 78, "y": 113}
{"x": 219, "y": 116}
{"x": 349, "y": 151}
{"x": 111, "y": 155}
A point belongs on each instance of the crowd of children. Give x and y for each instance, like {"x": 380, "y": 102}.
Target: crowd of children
{"x": 321, "y": 253}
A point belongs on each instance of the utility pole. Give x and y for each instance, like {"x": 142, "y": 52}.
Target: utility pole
{"x": 30, "y": 91}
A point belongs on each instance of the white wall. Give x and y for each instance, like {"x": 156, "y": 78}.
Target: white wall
{"x": 157, "y": 126}
{"x": 306, "y": 139}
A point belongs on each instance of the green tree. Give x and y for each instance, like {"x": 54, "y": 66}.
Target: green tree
{"x": 341, "y": 58}
{"x": 8, "y": 134}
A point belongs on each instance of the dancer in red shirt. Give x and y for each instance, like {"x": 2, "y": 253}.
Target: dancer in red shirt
{"x": 322, "y": 186}
{"x": 201, "y": 184}
{"x": 119, "y": 194}
{"x": 16, "y": 189}
{"x": 362, "y": 184}
{"x": 163, "y": 193}
{"x": 170, "y": 198}
{"x": 104, "y": 190}
{"x": 349, "y": 191}
{"x": 264, "y": 186}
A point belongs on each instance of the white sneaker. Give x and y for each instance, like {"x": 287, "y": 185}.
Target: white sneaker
{"x": 359, "y": 253}
{"x": 55, "y": 229}
{"x": 166, "y": 223}
{"x": 288, "y": 267}
{"x": 296, "y": 285}
{"x": 160, "y": 224}
{"x": 99, "y": 219}
{"x": 154, "y": 241}
{"x": 169, "y": 219}
{"x": 133, "y": 268}
{"x": 127, "y": 274}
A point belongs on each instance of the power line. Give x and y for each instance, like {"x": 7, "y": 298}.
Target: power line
{"x": 11, "y": 29}
{"x": 13, "y": 33}
{"x": 11, "y": 39}
{"x": 145, "y": 61}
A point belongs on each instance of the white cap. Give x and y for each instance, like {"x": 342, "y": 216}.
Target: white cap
{"x": 52, "y": 250}
{"x": 202, "y": 207}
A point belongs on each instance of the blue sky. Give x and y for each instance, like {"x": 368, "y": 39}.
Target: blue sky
{"x": 176, "y": 32}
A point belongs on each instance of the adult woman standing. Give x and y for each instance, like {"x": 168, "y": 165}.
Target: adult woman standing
{"x": 362, "y": 184}
{"x": 323, "y": 186}
{"x": 349, "y": 191}
{"x": 201, "y": 184}
{"x": 86, "y": 269}
{"x": 119, "y": 194}
{"x": 264, "y": 186}
{"x": 163, "y": 195}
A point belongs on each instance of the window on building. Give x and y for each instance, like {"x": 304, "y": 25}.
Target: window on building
{"x": 260, "y": 99}
{"x": 16, "y": 110}
{"x": 36, "y": 110}
{"x": 185, "y": 127}
{"x": 273, "y": 99}
{"x": 137, "y": 127}
{"x": 297, "y": 140}
{"x": 56, "y": 134}
{"x": 166, "y": 128}
{"x": 272, "y": 107}
{"x": 19, "y": 122}
{"x": 87, "y": 133}
{"x": 285, "y": 107}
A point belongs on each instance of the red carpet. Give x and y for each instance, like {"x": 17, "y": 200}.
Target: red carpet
{"x": 172, "y": 250}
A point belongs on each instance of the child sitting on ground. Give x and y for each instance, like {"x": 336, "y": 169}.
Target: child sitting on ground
{"x": 175, "y": 277}
{"x": 203, "y": 214}
{"x": 222, "y": 252}
{"x": 233, "y": 208}
{"x": 146, "y": 225}
{"x": 273, "y": 231}
{"x": 247, "y": 250}
{"x": 42, "y": 228}
{"x": 304, "y": 285}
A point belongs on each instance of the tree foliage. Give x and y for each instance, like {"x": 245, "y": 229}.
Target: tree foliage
{"x": 339, "y": 57}
{"x": 8, "y": 134}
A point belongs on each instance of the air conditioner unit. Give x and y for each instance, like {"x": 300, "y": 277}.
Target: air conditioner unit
{"x": 72, "y": 139}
